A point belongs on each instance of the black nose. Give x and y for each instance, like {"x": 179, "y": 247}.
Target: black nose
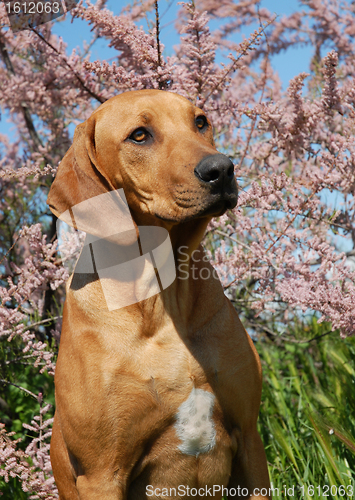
{"x": 217, "y": 170}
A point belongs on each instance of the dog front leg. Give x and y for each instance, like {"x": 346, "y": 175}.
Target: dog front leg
{"x": 250, "y": 477}
{"x": 74, "y": 485}
{"x": 100, "y": 487}
{"x": 64, "y": 474}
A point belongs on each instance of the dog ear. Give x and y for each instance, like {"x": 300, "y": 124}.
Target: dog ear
{"x": 79, "y": 175}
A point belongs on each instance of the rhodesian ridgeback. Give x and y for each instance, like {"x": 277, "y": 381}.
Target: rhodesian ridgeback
{"x": 158, "y": 399}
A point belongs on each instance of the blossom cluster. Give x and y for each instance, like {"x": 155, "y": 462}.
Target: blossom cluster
{"x": 32, "y": 467}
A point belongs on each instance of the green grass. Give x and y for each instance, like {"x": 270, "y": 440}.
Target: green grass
{"x": 307, "y": 417}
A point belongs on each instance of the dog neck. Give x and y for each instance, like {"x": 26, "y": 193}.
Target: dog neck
{"x": 195, "y": 284}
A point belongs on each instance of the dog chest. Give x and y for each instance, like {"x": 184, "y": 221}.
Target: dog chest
{"x": 194, "y": 424}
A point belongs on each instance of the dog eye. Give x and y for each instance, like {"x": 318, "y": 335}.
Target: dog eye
{"x": 201, "y": 122}
{"x": 139, "y": 135}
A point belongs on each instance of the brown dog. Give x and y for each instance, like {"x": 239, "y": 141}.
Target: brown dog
{"x": 158, "y": 399}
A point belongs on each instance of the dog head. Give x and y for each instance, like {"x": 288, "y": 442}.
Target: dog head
{"x": 159, "y": 148}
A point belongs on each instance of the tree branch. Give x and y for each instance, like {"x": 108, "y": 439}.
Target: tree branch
{"x": 26, "y": 114}
{"x": 82, "y": 84}
{"x": 19, "y": 387}
{"x": 162, "y": 85}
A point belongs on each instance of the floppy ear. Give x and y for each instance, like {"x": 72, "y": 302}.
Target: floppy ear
{"x": 79, "y": 176}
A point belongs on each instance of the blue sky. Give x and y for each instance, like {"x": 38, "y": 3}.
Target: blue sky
{"x": 287, "y": 64}
{"x": 74, "y": 33}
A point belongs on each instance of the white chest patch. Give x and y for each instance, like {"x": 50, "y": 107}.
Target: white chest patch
{"x": 194, "y": 424}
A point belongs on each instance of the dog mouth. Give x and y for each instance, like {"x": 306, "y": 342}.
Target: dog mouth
{"x": 197, "y": 201}
{"x": 220, "y": 207}
{"x": 218, "y": 204}
{"x": 214, "y": 206}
